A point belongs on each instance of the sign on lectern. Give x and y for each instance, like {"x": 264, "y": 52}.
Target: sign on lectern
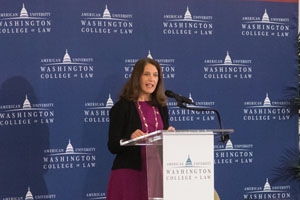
{"x": 188, "y": 165}
{"x": 180, "y": 164}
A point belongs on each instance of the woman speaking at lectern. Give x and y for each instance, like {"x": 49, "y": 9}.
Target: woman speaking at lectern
{"x": 141, "y": 109}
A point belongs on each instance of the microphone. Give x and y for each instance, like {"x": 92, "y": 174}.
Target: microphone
{"x": 180, "y": 99}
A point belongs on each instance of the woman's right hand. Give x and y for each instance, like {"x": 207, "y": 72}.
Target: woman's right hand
{"x": 137, "y": 133}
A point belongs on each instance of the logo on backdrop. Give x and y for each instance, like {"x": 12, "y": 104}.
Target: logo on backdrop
{"x": 106, "y": 23}
{"x": 95, "y": 195}
{"x": 29, "y": 195}
{"x": 187, "y": 24}
{"x": 24, "y": 22}
{"x": 97, "y": 112}
{"x": 229, "y": 153}
{"x": 66, "y": 68}
{"x": 177, "y": 114}
{"x": 26, "y": 113}
{"x": 227, "y": 68}
{"x": 167, "y": 66}
{"x": 267, "y": 191}
{"x": 188, "y": 170}
{"x": 265, "y": 26}
{"x": 69, "y": 158}
{"x": 266, "y": 110}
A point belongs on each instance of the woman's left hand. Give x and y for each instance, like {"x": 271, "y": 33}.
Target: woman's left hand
{"x": 171, "y": 128}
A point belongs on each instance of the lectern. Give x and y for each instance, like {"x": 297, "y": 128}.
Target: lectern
{"x": 180, "y": 164}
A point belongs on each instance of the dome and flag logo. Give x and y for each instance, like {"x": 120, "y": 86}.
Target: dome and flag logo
{"x": 167, "y": 66}
{"x": 27, "y": 113}
{"x": 268, "y": 191}
{"x": 25, "y": 22}
{"x": 201, "y": 111}
{"x": 266, "y": 110}
{"x": 69, "y": 158}
{"x": 29, "y": 195}
{"x": 106, "y": 23}
{"x": 188, "y": 170}
{"x": 67, "y": 67}
{"x": 97, "y": 112}
{"x": 227, "y": 68}
{"x": 230, "y": 154}
{"x": 187, "y": 24}
{"x": 265, "y": 26}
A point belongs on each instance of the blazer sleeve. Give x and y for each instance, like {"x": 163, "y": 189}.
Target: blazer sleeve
{"x": 123, "y": 122}
{"x": 165, "y": 116}
{"x": 116, "y": 127}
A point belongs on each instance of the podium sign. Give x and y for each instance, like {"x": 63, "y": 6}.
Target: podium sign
{"x": 188, "y": 165}
{"x": 180, "y": 164}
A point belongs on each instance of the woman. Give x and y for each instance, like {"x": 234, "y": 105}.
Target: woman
{"x": 141, "y": 109}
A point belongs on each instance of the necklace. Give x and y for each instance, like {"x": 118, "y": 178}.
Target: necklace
{"x": 144, "y": 118}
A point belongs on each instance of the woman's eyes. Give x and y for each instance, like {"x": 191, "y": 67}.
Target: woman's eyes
{"x": 148, "y": 74}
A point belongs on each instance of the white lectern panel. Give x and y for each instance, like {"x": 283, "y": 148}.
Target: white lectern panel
{"x": 188, "y": 165}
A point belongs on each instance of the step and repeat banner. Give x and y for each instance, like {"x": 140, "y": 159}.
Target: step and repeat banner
{"x": 63, "y": 63}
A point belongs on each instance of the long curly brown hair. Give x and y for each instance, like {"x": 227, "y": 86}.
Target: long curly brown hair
{"x": 132, "y": 87}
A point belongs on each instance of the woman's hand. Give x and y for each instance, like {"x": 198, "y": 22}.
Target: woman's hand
{"x": 137, "y": 133}
{"x": 171, "y": 128}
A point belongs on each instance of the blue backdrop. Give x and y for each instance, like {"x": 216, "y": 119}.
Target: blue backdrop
{"x": 63, "y": 64}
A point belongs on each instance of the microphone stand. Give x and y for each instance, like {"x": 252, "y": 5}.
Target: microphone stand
{"x": 224, "y": 136}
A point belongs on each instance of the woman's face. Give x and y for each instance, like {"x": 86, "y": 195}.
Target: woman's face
{"x": 148, "y": 81}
